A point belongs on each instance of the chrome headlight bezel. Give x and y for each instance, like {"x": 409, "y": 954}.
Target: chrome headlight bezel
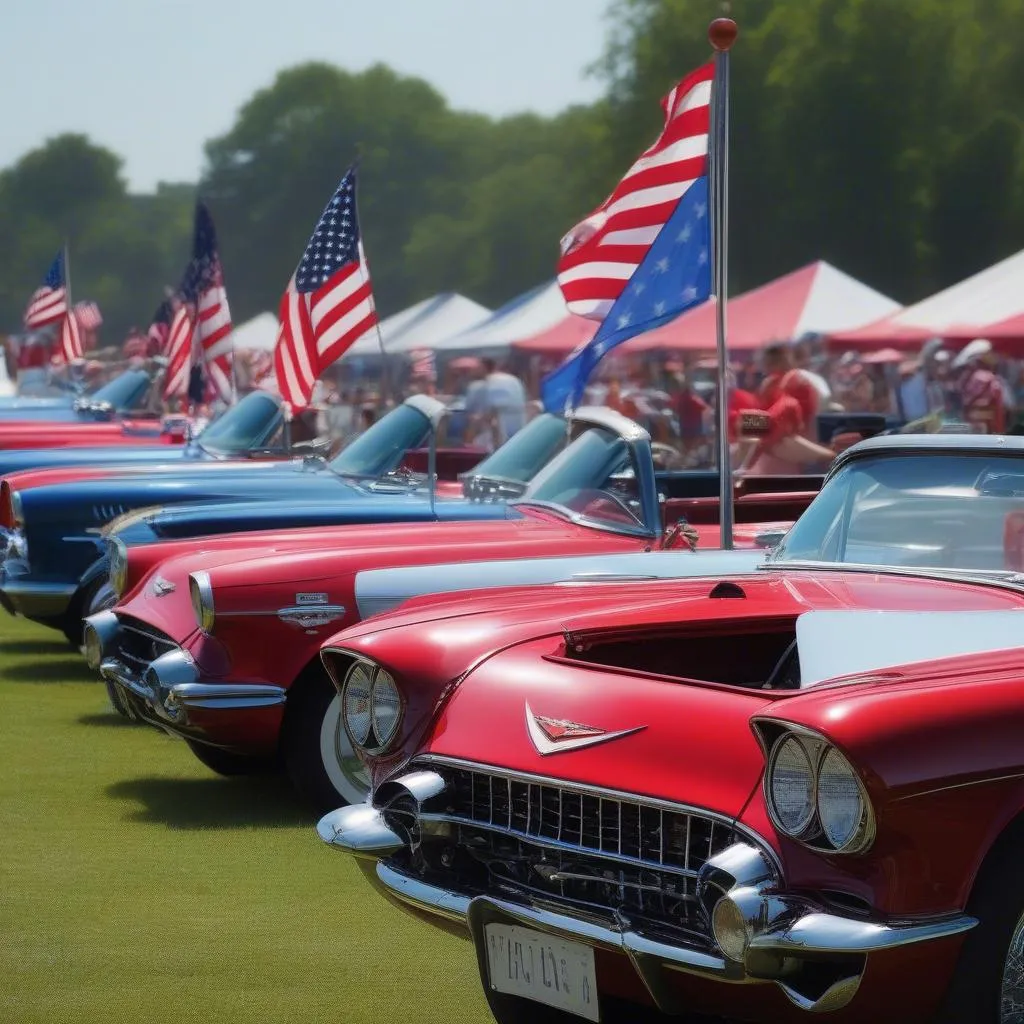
{"x": 201, "y": 591}
{"x": 382, "y": 698}
{"x": 118, "y": 566}
{"x": 812, "y": 831}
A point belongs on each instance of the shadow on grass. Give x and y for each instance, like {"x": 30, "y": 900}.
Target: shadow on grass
{"x": 58, "y": 645}
{"x": 111, "y": 719}
{"x": 264, "y": 801}
{"x": 58, "y": 670}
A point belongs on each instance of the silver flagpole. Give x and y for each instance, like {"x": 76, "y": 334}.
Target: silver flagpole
{"x": 722, "y": 34}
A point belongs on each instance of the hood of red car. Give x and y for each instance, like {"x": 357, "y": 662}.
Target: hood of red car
{"x": 643, "y": 736}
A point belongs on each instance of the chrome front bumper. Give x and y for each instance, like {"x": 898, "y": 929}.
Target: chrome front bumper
{"x": 21, "y": 595}
{"x": 782, "y": 932}
{"x": 168, "y": 693}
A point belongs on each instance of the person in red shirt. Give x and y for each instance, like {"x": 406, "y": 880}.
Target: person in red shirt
{"x": 784, "y": 434}
{"x": 981, "y": 391}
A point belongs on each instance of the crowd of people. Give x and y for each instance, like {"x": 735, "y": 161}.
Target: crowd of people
{"x": 778, "y": 401}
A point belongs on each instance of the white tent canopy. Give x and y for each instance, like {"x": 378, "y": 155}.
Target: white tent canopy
{"x": 528, "y": 314}
{"x": 422, "y": 325}
{"x": 258, "y": 333}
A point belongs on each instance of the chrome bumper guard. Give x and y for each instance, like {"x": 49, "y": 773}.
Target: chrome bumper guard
{"x": 770, "y": 936}
{"x": 169, "y": 688}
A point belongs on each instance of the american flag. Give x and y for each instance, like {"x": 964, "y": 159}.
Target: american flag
{"x": 203, "y": 287}
{"x": 601, "y": 253}
{"x": 328, "y": 304}
{"x": 88, "y": 315}
{"x": 50, "y": 302}
{"x": 179, "y": 351}
{"x": 423, "y": 365}
{"x": 160, "y": 327}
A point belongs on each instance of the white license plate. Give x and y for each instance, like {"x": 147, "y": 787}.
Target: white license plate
{"x": 522, "y": 962}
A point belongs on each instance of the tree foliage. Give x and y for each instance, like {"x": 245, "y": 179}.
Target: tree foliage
{"x": 883, "y": 136}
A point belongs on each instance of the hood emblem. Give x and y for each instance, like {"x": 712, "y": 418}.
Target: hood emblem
{"x": 556, "y": 735}
{"x": 162, "y": 587}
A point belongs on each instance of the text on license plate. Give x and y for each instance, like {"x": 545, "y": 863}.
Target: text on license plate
{"x": 522, "y": 962}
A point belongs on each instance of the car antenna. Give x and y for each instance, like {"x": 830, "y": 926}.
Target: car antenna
{"x": 435, "y": 423}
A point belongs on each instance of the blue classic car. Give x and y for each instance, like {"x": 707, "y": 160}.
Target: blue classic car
{"x": 54, "y": 558}
{"x": 125, "y": 395}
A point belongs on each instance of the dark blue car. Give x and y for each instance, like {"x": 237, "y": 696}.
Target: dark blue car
{"x": 55, "y": 555}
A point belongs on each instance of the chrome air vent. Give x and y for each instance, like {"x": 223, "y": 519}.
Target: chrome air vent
{"x": 103, "y": 513}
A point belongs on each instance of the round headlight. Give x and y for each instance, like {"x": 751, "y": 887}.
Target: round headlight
{"x": 791, "y": 786}
{"x": 385, "y": 707}
{"x": 118, "y": 566}
{"x": 201, "y": 592}
{"x": 356, "y": 702}
{"x": 842, "y": 807}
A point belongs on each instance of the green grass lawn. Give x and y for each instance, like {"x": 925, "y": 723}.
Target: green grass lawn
{"x": 135, "y": 885}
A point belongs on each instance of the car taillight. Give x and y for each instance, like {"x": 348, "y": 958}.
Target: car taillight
{"x": 6, "y": 506}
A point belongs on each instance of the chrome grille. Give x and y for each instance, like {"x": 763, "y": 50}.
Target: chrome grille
{"x": 679, "y": 841}
{"x": 139, "y": 644}
{"x": 619, "y": 858}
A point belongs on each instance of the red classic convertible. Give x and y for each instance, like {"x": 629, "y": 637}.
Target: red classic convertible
{"x": 756, "y": 796}
{"x": 180, "y": 650}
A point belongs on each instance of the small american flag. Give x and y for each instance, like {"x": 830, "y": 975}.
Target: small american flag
{"x": 328, "y": 304}
{"x": 423, "y": 364}
{"x": 50, "y": 302}
{"x": 88, "y": 315}
{"x": 601, "y": 253}
{"x": 179, "y": 352}
{"x": 203, "y": 287}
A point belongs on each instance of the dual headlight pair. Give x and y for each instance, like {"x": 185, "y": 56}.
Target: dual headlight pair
{"x": 371, "y": 706}
{"x": 815, "y": 796}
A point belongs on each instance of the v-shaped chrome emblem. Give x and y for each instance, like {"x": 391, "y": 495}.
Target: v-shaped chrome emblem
{"x": 556, "y": 735}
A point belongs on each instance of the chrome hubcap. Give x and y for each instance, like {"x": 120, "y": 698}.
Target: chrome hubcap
{"x": 1011, "y": 1003}
{"x": 347, "y": 773}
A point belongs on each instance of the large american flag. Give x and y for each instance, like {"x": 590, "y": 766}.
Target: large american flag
{"x": 203, "y": 288}
{"x": 328, "y": 304}
{"x": 179, "y": 351}
{"x": 601, "y": 253}
{"x": 49, "y": 303}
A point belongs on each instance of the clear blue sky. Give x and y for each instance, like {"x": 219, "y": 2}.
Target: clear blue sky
{"x": 153, "y": 80}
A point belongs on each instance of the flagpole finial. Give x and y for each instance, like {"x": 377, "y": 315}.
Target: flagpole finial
{"x": 722, "y": 34}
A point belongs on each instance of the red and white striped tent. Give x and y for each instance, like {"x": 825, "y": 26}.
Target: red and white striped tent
{"x": 988, "y": 304}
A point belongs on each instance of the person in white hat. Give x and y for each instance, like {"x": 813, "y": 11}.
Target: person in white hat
{"x": 981, "y": 391}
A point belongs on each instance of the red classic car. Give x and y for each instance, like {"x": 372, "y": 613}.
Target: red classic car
{"x": 180, "y": 650}
{"x": 756, "y": 796}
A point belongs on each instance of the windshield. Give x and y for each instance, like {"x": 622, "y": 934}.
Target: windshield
{"x": 380, "y": 448}
{"x": 128, "y": 391}
{"x": 924, "y": 511}
{"x": 592, "y": 481}
{"x": 521, "y": 457}
{"x": 252, "y": 423}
